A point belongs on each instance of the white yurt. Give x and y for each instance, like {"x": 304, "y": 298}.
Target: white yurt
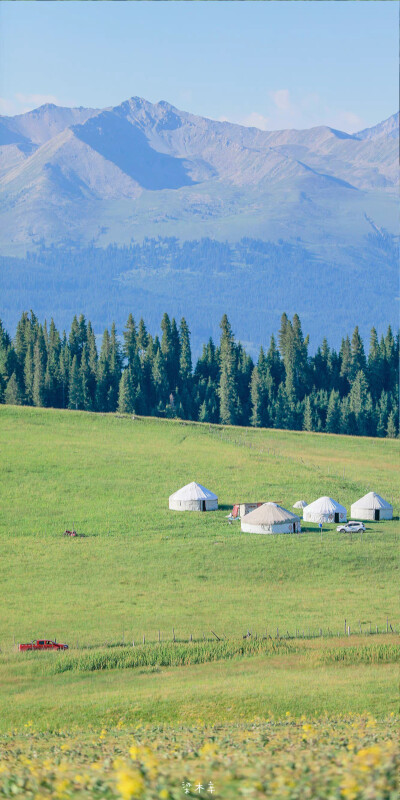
{"x": 372, "y": 506}
{"x": 325, "y": 510}
{"x": 300, "y": 504}
{"x": 193, "y": 497}
{"x": 271, "y": 518}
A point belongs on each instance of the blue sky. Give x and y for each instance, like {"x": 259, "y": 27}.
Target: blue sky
{"x": 268, "y": 64}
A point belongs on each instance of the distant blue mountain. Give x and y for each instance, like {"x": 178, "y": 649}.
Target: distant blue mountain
{"x": 316, "y": 210}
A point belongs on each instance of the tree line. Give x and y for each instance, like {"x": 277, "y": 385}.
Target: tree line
{"x": 337, "y": 392}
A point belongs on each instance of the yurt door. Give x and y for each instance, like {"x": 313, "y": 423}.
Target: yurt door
{"x": 377, "y": 514}
{"x": 337, "y": 518}
{"x": 203, "y": 505}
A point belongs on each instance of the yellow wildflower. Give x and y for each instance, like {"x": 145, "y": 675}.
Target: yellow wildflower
{"x": 349, "y": 788}
{"x": 368, "y": 757}
{"x": 61, "y": 787}
{"x": 207, "y": 749}
{"x": 134, "y": 752}
{"x": 130, "y": 784}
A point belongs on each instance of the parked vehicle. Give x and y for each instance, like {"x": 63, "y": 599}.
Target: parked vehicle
{"x": 43, "y": 644}
{"x": 351, "y": 527}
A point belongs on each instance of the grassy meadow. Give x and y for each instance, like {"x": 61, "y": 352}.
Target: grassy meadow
{"x": 231, "y": 708}
{"x": 142, "y": 569}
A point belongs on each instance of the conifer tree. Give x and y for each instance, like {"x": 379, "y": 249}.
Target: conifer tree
{"x": 142, "y": 338}
{"x": 382, "y": 412}
{"x": 391, "y": 426}
{"x": 345, "y": 366}
{"x": 103, "y": 374}
{"x": 160, "y": 381}
{"x": 75, "y": 387}
{"x": 12, "y": 395}
{"x": 280, "y": 408}
{"x": 358, "y": 361}
{"x": 244, "y": 369}
{"x": 333, "y": 415}
{"x": 209, "y": 408}
{"x": 308, "y": 423}
{"x": 52, "y": 379}
{"x": 21, "y": 341}
{"x": 115, "y": 367}
{"x": 283, "y": 335}
{"x": 82, "y": 332}
{"x": 175, "y": 356}
{"x": 227, "y": 383}
{"x": 391, "y": 366}
{"x": 74, "y": 339}
{"x": 93, "y": 364}
{"x": 85, "y": 380}
{"x": 347, "y": 423}
{"x": 185, "y": 359}
{"x": 125, "y": 394}
{"x": 257, "y": 399}
{"x": 39, "y": 368}
{"x": 357, "y": 399}
{"x": 375, "y": 365}
{"x": 130, "y": 340}
{"x": 64, "y": 370}
{"x": 300, "y": 358}
{"x": 28, "y": 374}
{"x": 167, "y": 349}
{"x": 275, "y": 365}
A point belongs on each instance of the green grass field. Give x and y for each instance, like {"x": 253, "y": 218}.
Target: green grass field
{"x": 142, "y": 569}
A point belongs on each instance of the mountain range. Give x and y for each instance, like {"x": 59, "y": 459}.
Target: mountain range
{"x": 79, "y": 179}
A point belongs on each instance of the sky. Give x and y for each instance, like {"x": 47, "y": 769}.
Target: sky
{"x": 268, "y": 64}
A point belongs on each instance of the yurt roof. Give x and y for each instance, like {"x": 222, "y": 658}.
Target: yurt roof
{"x": 372, "y": 500}
{"x": 193, "y": 491}
{"x": 326, "y": 505}
{"x": 300, "y": 504}
{"x": 270, "y": 514}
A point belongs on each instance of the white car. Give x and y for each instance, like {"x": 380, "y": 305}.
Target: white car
{"x": 351, "y": 527}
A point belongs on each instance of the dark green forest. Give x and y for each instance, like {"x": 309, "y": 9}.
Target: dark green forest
{"x": 343, "y": 391}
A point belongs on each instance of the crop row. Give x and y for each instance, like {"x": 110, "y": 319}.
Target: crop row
{"x": 166, "y": 655}
{"x": 373, "y": 654}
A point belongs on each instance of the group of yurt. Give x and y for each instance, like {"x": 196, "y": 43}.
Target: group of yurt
{"x": 273, "y": 518}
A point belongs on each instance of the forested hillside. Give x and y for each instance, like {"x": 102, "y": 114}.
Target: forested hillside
{"x": 251, "y": 279}
{"x": 341, "y": 391}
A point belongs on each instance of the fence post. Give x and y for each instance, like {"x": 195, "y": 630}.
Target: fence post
{"x": 345, "y": 627}
{"x": 348, "y": 630}
{"x": 387, "y": 624}
{"x": 173, "y": 634}
{"x": 133, "y": 643}
{"x": 144, "y": 639}
{"x": 159, "y": 636}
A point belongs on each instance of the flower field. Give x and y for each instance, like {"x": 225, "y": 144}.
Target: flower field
{"x": 351, "y": 757}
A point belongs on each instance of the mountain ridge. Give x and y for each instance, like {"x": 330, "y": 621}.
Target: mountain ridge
{"x": 317, "y": 206}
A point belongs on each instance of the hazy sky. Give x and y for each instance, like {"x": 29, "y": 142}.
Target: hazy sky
{"x": 268, "y": 64}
